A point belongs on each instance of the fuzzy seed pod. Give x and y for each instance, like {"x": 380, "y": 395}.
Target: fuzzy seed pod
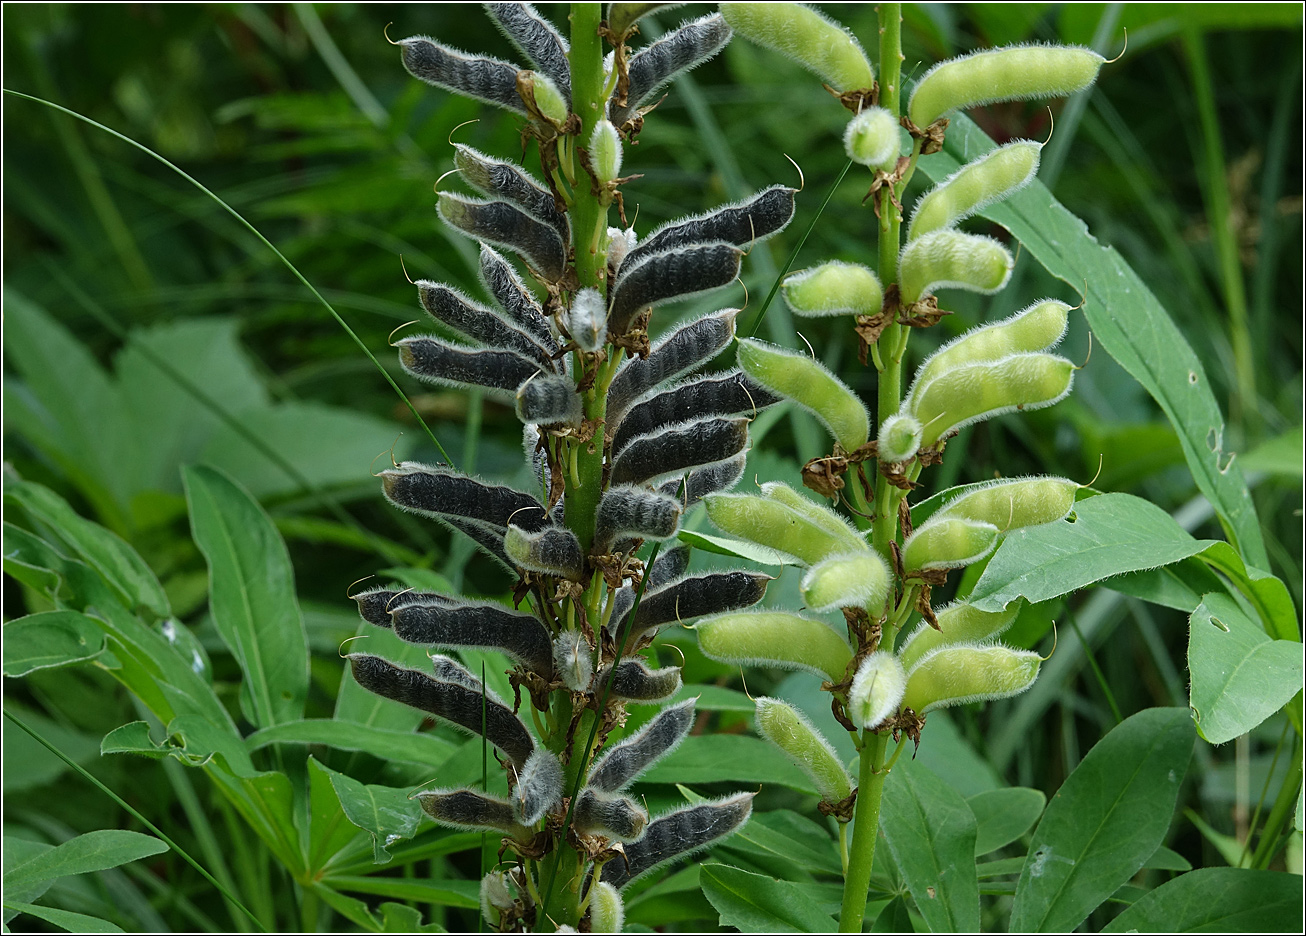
{"x": 690, "y": 345}
{"x": 670, "y": 565}
{"x": 949, "y": 259}
{"x": 959, "y": 622}
{"x": 959, "y": 673}
{"x": 1013, "y": 73}
{"x": 587, "y": 319}
{"x": 547, "y": 97}
{"x": 741, "y": 223}
{"x": 808, "y": 538}
{"x": 805, "y": 747}
{"x": 627, "y": 511}
{"x": 605, "y": 152}
{"x": 437, "y": 361}
{"x": 621, "y": 764}
{"x": 991, "y": 178}
{"x": 729, "y": 394}
{"x": 516, "y": 300}
{"x": 480, "y": 77}
{"x": 634, "y": 682}
{"x": 877, "y": 689}
{"x": 811, "y": 385}
{"x": 623, "y": 599}
{"x": 549, "y": 400}
{"x": 572, "y": 658}
{"x": 694, "y": 597}
{"x": 682, "y": 832}
{"x": 1011, "y": 503}
{"x": 501, "y": 223}
{"x": 551, "y": 551}
{"x": 968, "y": 393}
{"x": 899, "y": 438}
{"x": 472, "y": 320}
{"x": 440, "y": 491}
{"x": 811, "y": 39}
{"x": 948, "y": 543}
{"x": 495, "y": 897}
{"x": 834, "y": 288}
{"x": 620, "y": 243}
{"x": 675, "y": 273}
{"x": 539, "y": 787}
{"x": 872, "y": 138}
{"x": 612, "y": 816}
{"x": 607, "y": 912}
{"x": 456, "y": 623}
{"x": 837, "y": 527}
{"x": 447, "y": 669}
{"x": 713, "y": 478}
{"x": 472, "y": 811}
{"x": 374, "y": 604}
{"x": 685, "y": 47}
{"x": 775, "y": 638}
{"x": 679, "y": 447}
{"x": 536, "y": 38}
{"x": 858, "y": 580}
{"x": 507, "y": 181}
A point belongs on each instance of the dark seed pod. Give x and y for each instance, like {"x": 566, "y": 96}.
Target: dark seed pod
{"x": 437, "y": 361}
{"x": 374, "y": 604}
{"x": 500, "y": 222}
{"x": 692, "y": 344}
{"x": 679, "y": 447}
{"x": 635, "y": 682}
{"x": 454, "y": 623}
{"x": 551, "y": 551}
{"x": 692, "y": 44}
{"x": 467, "y": 809}
{"x": 694, "y": 597}
{"x": 549, "y": 400}
{"x": 485, "y": 79}
{"x": 629, "y": 511}
{"x": 729, "y": 394}
{"x": 622, "y": 600}
{"x": 447, "y": 669}
{"x": 472, "y": 320}
{"x": 614, "y": 817}
{"x": 671, "y": 565}
{"x": 741, "y": 224}
{"x": 679, "y": 833}
{"x": 539, "y": 787}
{"x": 512, "y": 295}
{"x": 675, "y": 273}
{"x": 452, "y": 701}
{"x": 510, "y": 182}
{"x": 435, "y": 490}
{"x": 708, "y": 480}
{"x": 621, "y": 764}
{"x": 535, "y": 37}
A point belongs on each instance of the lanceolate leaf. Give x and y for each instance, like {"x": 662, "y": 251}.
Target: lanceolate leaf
{"x": 1213, "y": 900}
{"x": 92, "y": 851}
{"x": 755, "y": 903}
{"x": 50, "y": 638}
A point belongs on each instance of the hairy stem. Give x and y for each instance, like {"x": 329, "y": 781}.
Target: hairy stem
{"x": 866, "y": 824}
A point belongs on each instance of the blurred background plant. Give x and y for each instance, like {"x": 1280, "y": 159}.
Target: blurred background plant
{"x": 145, "y": 330}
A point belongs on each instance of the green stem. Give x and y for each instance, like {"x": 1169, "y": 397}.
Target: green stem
{"x": 1281, "y": 813}
{"x": 866, "y": 824}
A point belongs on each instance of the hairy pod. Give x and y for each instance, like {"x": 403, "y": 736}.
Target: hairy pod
{"x": 607, "y": 912}
{"x": 1037, "y": 327}
{"x": 899, "y": 438}
{"x": 549, "y": 400}
{"x": 805, "y": 747}
{"x": 812, "y": 40}
{"x": 547, "y": 97}
{"x": 955, "y": 674}
{"x": 959, "y": 622}
{"x": 613, "y": 816}
{"x": 507, "y": 181}
{"x": 623, "y": 599}
{"x": 605, "y": 152}
{"x": 858, "y": 580}
{"x": 437, "y": 361}
{"x": 473, "y": 811}
{"x": 620, "y": 243}
{"x": 504, "y": 224}
{"x": 671, "y": 564}
{"x": 948, "y": 543}
{"x": 836, "y": 526}
{"x": 968, "y": 393}
{"x": 688, "y": 346}
{"x": 834, "y": 288}
{"x": 447, "y": 669}
{"x": 552, "y": 550}
{"x": 441, "y": 491}
{"x": 810, "y": 384}
{"x": 674, "y": 273}
{"x": 872, "y": 138}
{"x": 1013, "y": 73}
{"x": 682, "y": 832}
{"x": 627, "y": 511}
{"x": 949, "y": 259}
{"x": 679, "y": 447}
{"x": 472, "y": 320}
{"x": 456, "y": 703}
{"x": 729, "y": 394}
{"x": 687, "y": 46}
{"x": 374, "y": 603}
{"x": 480, "y": 77}
{"x": 457, "y": 623}
{"x": 512, "y": 295}
{"x": 775, "y": 638}
{"x": 877, "y": 689}
{"x": 587, "y": 319}
{"x": 536, "y": 38}
{"x": 697, "y": 596}
{"x": 1011, "y": 503}
{"x": 741, "y": 223}
{"x": 495, "y": 897}
{"x": 540, "y": 786}
{"x": 634, "y": 682}
{"x": 800, "y": 534}
{"x": 620, "y": 765}
{"x": 713, "y": 478}
{"x": 572, "y": 660}
{"x": 991, "y": 178}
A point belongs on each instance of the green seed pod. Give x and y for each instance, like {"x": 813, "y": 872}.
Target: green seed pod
{"x": 549, "y": 99}
{"x": 607, "y": 912}
{"x": 1013, "y": 73}
{"x": 552, "y": 551}
{"x": 872, "y": 138}
{"x": 839, "y": 528}
{"x": 495, "y": 897}
{"x": 809, "y": 38}
{"x": 859, "y": 580}
{"x": 572, "y": 660}
{"x": 1011, "y": 503}
{"x": 899, "y": 438}
{"x": 948, "y": 543}
{"x": 1037, "y": 327}
{"x": 805, "y": 747}
{"x": 777, "y": 525}
{"x": 834, "y": 288}
{"x": 959, "y": 622}
{"x": 971, "y": 392}
{"x": 605, "y": 152}
{"x": 949, "y": 259}
{"x": 991, "y": 178}
{"x": 959, "y": 673}
{"x": 809, "y": 384}
{"x": 775, "y": 638}
{"x": 877, "y": 689}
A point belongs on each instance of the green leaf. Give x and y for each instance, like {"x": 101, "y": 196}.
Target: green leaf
{"x": 794, "y": 839}
{"x": 1179, "y": 585}
{"x": 739, "y": 549}
{"x": 1217, "y": 900}
{"x": 714, "y": 698}
{"x": 401, "y": 918}
{"x": 447, "y": 893}
{"x": 351, "y": 908}
{"x": 91, "y": 851}
{"x": 931, "y": 833}
{"x": 1106, "y": 820}
{"x": 49, "y": 639}
{"x": 252, "y": 596}
{"x": 65, "y": 919}
{"x": 1002, "y": 816}
{"x": 1281, "y": 455}
{"x": 424, "y": 749}
{"x": 1112, "y": 534}
{"x": 894, "y": 918}
{"x": 329, "y": 832}
{"x": 754, "y": 903}
{"x": 734, "y": 758}
{"x": 386, "y": 813}
{"x": 28, "y": 764}
{"x": 1268, "y": 595}
{"x": 1156, "y": 22}
{"x": 1167, "y": 859}
{"x": 1239, "y": 675}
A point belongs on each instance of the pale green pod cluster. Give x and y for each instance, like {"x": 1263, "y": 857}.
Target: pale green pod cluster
{"x": 899, "y": 438}
{"x": 834, "y": 288}
{"x": 786, "y": 521}
{"x": 806, "y": 36}
{"x": 948, "y": 543}
{"x": 950, "y": 259}
{"x": 990, "y": 178}
{"x": 607, "y": 912}
{"x": 858, "y": 580}
{"x": 811, "y": 385}
{"x": 872, "y": 138}
{"x": 605, "y": 152}
{"x": 774, "y": 638}
{"x": 1011, "y": 503}
{"x": 877, "y": 690}
{"x": 1012, "y": 73}
{"x": 958, "y": 673}
{"x": 959, "y": 622}
{"x": 804, "y": 745}
{"x": 968, "y": 393}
